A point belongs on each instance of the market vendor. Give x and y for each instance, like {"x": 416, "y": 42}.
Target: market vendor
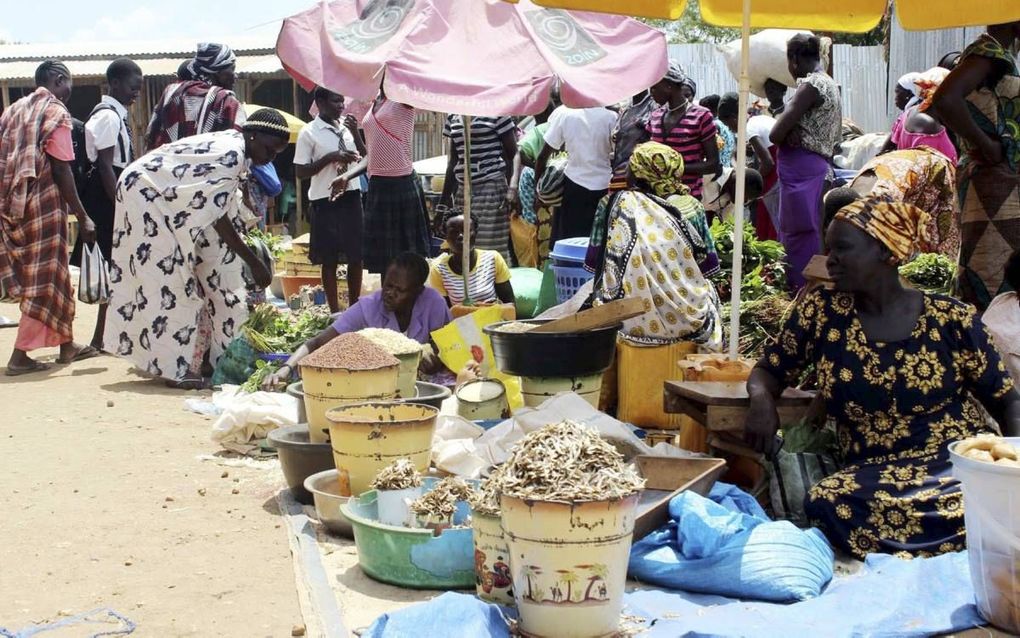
{"x": 647, "y": 248}
{"x": 404, "y": 305}
{"x": 894, "y": 367}
{"x": 488, "y": 279}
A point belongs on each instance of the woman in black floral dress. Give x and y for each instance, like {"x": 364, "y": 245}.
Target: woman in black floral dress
{"x": 898, "y": 370}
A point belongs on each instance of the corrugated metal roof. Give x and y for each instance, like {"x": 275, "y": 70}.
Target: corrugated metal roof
{"x": 129, "y": 48}
{"x": 247, "y": 65}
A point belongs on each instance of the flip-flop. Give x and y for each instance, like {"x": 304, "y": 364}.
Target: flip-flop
{"x": 17, "y": 372}
{"x": 188, "y": 384}
{"x": 85, "y": 352}
{"x": 7, "y": 323}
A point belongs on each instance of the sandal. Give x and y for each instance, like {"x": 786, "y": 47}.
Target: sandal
{"x": 85, "y": 352}
{"x": 189, "y": 383}
{"x": 36, "y": 366}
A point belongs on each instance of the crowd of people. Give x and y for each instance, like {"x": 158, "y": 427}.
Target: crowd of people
{"x": 641, "y": 181}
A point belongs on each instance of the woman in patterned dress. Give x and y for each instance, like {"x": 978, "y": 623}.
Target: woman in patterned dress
{"x": 980, "y": 102}
{"x": 176, "y": 271}
{"x": 647, "y": 249}
{"x": 894, "y": 367}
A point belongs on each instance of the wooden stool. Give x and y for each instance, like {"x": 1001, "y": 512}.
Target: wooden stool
{"x": 721, "y": 407}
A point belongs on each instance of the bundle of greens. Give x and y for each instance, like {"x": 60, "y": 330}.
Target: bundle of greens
{"x": 762, "y": 267}
{"x": 931, "y": 272}
{"x": 760, "y": 322}
{"x": 273, "y": 243}
{"x": 263, "y": 370}
{"x": 271, "y": 330}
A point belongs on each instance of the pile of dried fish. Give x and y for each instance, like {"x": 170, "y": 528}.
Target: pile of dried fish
{"x": 485, "y": 500}
{"x": 567, "y": 462}
{"x": 439, "y": 503}
{"x": 398, "y": 475}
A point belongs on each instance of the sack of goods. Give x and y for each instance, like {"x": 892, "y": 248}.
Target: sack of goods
{"x": 768, "y": 58}
{"x": 94, "y": 282}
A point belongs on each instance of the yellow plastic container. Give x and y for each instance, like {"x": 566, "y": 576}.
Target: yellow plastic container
{"x": 327, "y": 388}
{"x": 482, "y": 400}
{"x": 492, "y": 560}
{"x": 366, "y": 437}
{"x": 407, "y": 374}
{"x": 538, "y": 390}
{"x": 568, "y": 563}
{"x": 641, "y": 376}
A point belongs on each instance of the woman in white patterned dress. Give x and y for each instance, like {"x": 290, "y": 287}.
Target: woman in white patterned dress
{"x": 177, "y": 259}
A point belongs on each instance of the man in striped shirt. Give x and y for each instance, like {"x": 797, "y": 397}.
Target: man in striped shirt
{"x": 686, "y": 127}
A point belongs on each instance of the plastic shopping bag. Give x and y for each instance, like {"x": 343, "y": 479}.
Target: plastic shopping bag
{"x": 463, "y": 340}
{"x": 94, "y": 283}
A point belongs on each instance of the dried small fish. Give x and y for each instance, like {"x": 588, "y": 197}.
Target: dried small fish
{"x": 398, "y": 475}
{"x": 567, "y": 462}
{"x": 485, "y": 500}
{"x": 440, "y": 503}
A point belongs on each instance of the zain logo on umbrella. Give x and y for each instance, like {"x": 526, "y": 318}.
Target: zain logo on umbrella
{"x": 567, "y": 39}
{"x": 377, "y": 24}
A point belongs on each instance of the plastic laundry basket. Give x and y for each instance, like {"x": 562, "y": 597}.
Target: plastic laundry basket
{"x": 568, "y": 267}
{"x": 991, "y": 505}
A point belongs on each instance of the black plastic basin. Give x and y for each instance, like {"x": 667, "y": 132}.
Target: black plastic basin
{"x": 300, "y": 458}
{"x": 538, "y": 354}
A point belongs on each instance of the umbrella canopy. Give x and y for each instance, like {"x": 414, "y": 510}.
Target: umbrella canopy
{"x": 854, "y": 16}
{"x": 477, "y": 57}
{"x": 293, "y": 122}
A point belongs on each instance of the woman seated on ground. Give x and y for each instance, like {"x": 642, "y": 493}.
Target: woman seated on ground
{"x": 404, "y": 304}
{"x": 894, "y": 367}
{"x": 488, "y": 279}
{"x": 647, "y": 248}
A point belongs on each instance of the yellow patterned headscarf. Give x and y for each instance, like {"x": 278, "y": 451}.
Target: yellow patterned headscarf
{"x": 900, "y": 227}
{"x": 661, "y": 167}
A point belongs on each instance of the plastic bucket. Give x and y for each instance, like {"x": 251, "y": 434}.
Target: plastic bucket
{"x": 538, "y": 390}
{"x": 991, "y": 510}
{"x": 327, "y": 388}
{"x": 407, "y": 374}
{"x": 394, "y": 505}
{"x": 492, "y": 560}
{"x": 482, "y": 399}
{"x": 366, "y": 437}
{"x": 569, "y": 564}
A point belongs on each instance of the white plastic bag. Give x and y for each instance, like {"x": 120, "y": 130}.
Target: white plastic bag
{"x": 768, "y": 58}
{"x": 94, "y": 281}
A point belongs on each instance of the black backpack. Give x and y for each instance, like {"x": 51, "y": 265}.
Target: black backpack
{"x": 82, "y": 167}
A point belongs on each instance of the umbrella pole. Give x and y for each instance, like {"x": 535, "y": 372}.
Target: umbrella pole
{"x": 466, "y": 261}
{"x": 738, "y": 205}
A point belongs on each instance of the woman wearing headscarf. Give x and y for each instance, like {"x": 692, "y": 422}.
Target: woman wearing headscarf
{"x": 807, "y": 133}
{"x": 204, "y": 104}
{"x": 176, "y": 274}
{"x": 647, "y": 248}
{"x": 895, "y": 368}
{"x": 37, "y": 194}
{"x": 923, "y": 177}
{"x": 915, "y": 128}
{"x": 980, "y": 102}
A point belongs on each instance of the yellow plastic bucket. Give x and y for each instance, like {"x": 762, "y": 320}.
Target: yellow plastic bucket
{"x": 482, "y": 399}
{"x": 327, "y": 388}
{"x": 538, "y": 390}
{"x": 569, "y": 564}
{"x": 492, "y": 560}
{"x": 407, "y": 374}
{"x": 366, "y": 437}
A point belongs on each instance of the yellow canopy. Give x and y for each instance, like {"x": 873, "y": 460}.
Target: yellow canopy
{"x": 855, "y": 16}
{"x": 293, "y": 121}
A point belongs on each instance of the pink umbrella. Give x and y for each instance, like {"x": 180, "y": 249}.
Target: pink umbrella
{"x": 477, "y": 57}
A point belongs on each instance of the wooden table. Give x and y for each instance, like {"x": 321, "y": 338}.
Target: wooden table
{"x": 721, "y": 407}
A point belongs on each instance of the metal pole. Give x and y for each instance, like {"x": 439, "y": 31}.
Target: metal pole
{"x": 738, "y": 205}
{"x": 466, "y": 261}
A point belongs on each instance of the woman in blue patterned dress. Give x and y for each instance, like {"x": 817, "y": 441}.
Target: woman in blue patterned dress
{"x": 894, "y": 367}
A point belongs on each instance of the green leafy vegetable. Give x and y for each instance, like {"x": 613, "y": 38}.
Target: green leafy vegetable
{"x": 931, "y": 272}
{"x": 263, "y": 370}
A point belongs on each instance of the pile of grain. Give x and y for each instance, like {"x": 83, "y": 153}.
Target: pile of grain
{"x": 391, "y": 341}
{"x": 440, "y": 503}
{"x": 568, "y": 462}
{"x": 350, "y": 351}
{"x": 517, "y": 327}
{"x": 398, "y": 475}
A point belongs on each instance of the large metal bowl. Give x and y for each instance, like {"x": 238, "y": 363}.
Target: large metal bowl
{"x": 300, "y": 458}
{"x": 553, "y": 354}
{"x": 325, "y": 489}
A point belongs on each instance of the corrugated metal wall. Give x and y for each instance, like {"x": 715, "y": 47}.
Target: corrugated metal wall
{"x": 706, "y": 65}
{"x": 861, "y": 75}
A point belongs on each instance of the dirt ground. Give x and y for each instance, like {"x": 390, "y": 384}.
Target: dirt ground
{"x": 101, "y": 507}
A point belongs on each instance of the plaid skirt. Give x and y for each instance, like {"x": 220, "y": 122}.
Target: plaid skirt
{"x": 489, "y": 210}
{"x": 394, "y": 220}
